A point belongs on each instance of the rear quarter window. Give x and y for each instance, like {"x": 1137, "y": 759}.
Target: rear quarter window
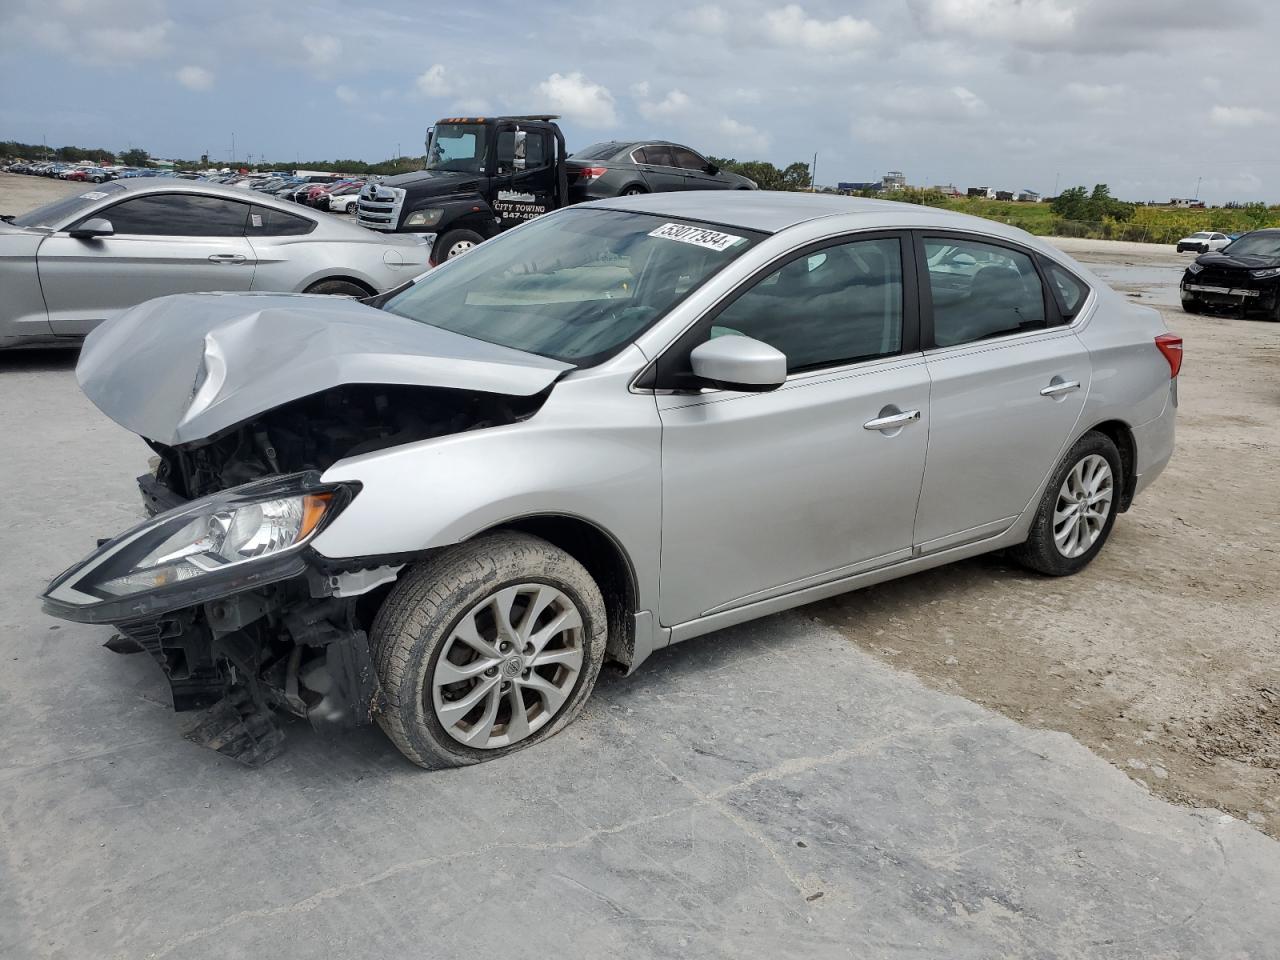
{"x": 1068, "y": 289}
{"x": 269, "y": 222}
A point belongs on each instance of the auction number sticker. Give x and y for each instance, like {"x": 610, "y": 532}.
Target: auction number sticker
{"x": 698, "y": 236}
{"x": 92, "y": 195}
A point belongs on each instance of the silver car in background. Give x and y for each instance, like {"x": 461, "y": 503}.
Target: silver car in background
{"x": 69, "y": 265}
{"x": 616, "y": 427}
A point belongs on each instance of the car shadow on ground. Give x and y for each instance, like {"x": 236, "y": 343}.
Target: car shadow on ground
{"x": 366, "y": 753}
{"x": 39, "y": 359}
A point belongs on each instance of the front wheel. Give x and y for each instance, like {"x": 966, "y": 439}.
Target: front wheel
{"x": 1191, "y": 306}
{"x": 339, "y": 288}
{"x": 1078, "y": 509}
{"x": 455, "y": 243}
{"x": 487, "y": 648}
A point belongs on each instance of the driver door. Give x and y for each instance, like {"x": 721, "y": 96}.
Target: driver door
{"x": 163, "y": 244}
{"x": 522, "y": 194}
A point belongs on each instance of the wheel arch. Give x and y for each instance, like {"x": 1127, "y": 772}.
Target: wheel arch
{"x": 604, "y": 558}
{"x": 345, "y": 278}
{"x": 1121, "y": 435}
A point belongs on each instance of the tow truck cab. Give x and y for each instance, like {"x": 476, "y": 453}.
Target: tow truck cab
{"x": 482, "y": 176}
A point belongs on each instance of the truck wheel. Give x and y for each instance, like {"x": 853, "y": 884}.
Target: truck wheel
{"x": 455, "y": 243}
{"x": 339, "y": 288}
{"x": 487, "y": 648}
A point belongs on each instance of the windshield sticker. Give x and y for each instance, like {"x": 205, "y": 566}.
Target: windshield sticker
{"x": 92, "y": 195}
{"x": 516, "y": 196}
{"x": 698, "y": 236}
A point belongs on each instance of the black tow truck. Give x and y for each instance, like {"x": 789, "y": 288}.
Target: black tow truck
{"x": 482, "y": 176}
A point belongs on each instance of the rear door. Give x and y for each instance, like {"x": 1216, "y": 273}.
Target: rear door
{"x": 658, "y": 167}
{"x": 1008, "y": 384}
{"x": 164, "y": 243}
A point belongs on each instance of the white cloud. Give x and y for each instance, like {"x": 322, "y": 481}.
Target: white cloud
{"x": 791, "y": 26}
{"x": 434, "y": 82}
{"x": 580, "y": 100}
{"x": 195, "y": 78}
{"x": 970, "y": 102}
{"x": 674, "y": 104}
{"x": 1239, "y": 117}
{"x": 742, "y": 135}
{"x": 1034, "y": 21}
{"x": 322, "y": 50}
{"x": 706, "y": 19}
{"x": 346, "y": 94}
{"x": 1094, "y": 93}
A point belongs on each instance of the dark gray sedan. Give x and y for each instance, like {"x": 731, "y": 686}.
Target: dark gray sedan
{"x": 618, "y": 168}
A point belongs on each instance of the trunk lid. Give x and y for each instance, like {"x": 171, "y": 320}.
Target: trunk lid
{"x": 185, "y": 367}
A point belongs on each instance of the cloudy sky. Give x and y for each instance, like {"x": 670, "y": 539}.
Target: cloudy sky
{"x": 1149, "y": 96}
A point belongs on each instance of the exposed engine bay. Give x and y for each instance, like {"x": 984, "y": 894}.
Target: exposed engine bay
{"x": 299, "y": 646}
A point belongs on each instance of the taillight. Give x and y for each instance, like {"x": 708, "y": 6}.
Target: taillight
{"x": 592, "y": 173}
{"x": 1171, "y": 346}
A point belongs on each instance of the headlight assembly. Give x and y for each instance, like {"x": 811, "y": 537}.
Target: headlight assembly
{"x": 1194, "y": 268}
{"x": 221, "y": 544}
{"x": 424, "y": 218}
{"x": 1265, "y": 273}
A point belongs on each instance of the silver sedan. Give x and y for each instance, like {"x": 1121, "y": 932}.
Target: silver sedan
{"x": 616, "y": 427}
{"x": 74, "y": 263}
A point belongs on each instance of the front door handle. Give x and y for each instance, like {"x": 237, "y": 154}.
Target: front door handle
{"x": 1057, "y": 387}
{"x": 227, "y": 257}
{"x": 892, "y": 421}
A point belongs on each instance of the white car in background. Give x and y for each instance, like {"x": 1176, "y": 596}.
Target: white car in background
{"x": 1203, "y": 242}
{"x": 344, "y": 203}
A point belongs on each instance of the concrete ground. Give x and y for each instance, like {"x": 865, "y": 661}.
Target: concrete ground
{"x": 772, "y": 790}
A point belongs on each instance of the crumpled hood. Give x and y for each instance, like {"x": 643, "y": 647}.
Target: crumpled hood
{"x": 185, "y": 367}
{"x": 1240, "y": 261}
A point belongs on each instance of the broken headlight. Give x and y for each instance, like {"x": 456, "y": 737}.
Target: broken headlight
{"x": 230, "y": 541}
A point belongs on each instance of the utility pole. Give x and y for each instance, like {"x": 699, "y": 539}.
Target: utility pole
{"x": 233, "y": 148}
{"x": 1056, "y": 177}
{"x": 1198, "y": 179}
{"x": 813, "y": 175}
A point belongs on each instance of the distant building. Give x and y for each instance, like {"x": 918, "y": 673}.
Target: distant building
{"x": 948, "y": 188}
{"x": 894, "y": 180}
{"x": 872, "y": 186}
{"x": 1187, "y": 204}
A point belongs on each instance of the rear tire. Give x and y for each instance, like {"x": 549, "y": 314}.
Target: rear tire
{"x": 455, "y": 243}
{"x": 339, "y": 288}
{"x": 633, "y": 191}
{"x": 1078, "y": 509}
{"x": 430, "y": 637}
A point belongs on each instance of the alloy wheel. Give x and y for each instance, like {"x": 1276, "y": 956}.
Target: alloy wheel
{"x": 508, "y": 667}
{"x": 1084, "y": 503}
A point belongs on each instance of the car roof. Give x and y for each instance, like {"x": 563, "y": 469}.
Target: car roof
{"x": 134, "y": 185}
{"x": 771, "y": 211}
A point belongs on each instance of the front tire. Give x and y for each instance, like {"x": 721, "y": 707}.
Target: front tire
{"x": 1078, "y": 509}
{"x": 487, "y": 648}
{"x": 455, "y": 243}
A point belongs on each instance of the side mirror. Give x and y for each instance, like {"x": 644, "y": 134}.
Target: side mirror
{"x": 733, "y": 362}
{"x": 92, "y": 228}
{"x": 520, "y": 138}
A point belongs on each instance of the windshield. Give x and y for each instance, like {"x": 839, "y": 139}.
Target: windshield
{"x": 52, "y": 214}
{"x": 1256, "y": 245}
{"x": 577, "y": 286}
{"x": 457, "y": 146}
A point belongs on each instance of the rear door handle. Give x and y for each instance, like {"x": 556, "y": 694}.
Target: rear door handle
{"x": 227, "y": 257}
{"x": 892, "y": 421}
{"x": 1057, "y": 387}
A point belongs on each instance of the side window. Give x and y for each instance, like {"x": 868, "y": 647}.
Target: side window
{"x": 841, "y": 304}
{"x": 981, "y": 290}
{"x": 638, "y": 155}
{"x": 659, "y": 155}
{"x": 535, "y": 151}
{"x": 687, "y": 159}
{"x": 178, "y": 215}
{"x": 268, "y": 222}
{"x": 1070, "y": 291}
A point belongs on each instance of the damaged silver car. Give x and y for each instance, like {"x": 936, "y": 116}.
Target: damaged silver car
{"x": 616, "y": 427}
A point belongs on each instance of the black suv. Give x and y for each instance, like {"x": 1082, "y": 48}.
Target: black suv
{"x": 1242, "y": 278}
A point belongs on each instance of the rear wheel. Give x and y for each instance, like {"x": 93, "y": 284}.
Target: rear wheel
{"x": 1077, "y": 511}
{"x": 339, "y": 288}
{"x": 455, "y": 243}
{"x": 634, "y": 191}
{"x": 487, "y": 648}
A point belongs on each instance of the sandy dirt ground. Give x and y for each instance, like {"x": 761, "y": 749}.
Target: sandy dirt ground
{"x": 1161, "y": 656}
{"x": 1164, "y": 655}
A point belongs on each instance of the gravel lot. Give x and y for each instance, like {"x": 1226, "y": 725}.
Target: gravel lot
{"x": 885, "y": 774}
